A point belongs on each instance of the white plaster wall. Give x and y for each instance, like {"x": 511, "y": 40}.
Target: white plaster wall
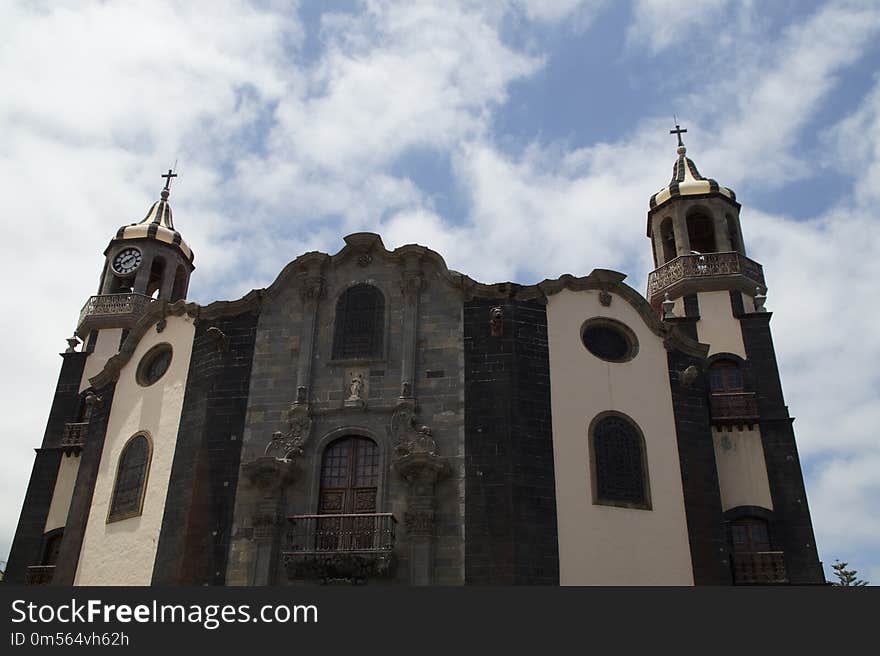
{"x": 123, "y": 552}
{"x": 742, "y": 471}
{"x": 717, "y": 325}
{"x": 106, "y": 346}
{"x": 63, "y": 493}
{"x": 604, "y": 545}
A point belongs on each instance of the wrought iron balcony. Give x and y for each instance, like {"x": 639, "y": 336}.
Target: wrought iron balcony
{"x": 733, "y": 407}
{"x": 74, "y": 434}
{"x": 759, "y": 568}
{"x": 39, "y": 575}
{"x": 344, "y": 547}
{"x": 111, "y": 311}
{"x": 704, "y": 271}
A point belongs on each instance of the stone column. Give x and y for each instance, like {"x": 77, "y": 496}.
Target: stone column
{"x": 680, "y": 230}
{"x": 311, "y": 290}
{"x": 417, "y": 462}
{"x": 268, "y": 478}
{"x": 411, "y": 285}
{"x": 722, "y": 237}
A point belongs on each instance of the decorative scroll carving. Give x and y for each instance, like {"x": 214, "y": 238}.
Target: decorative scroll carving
{"x": 496, "y": 321}
{"x": 605, "y": 298}
{"x": 289, "y": 445}
{"x": 416, "y": 460}
{"x": 72, "y": 343}
{"x": 419, "y": 522}
{"x": 364, "y": 260}
{"x": 160, "y": 325}
{"x": 221, "y": 341}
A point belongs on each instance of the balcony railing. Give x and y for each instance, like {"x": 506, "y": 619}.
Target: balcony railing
{"x": 74, "y": 434}
{"x": 39, "y": 575}
{"x": 323, "y": 533}
{"x": 759, "y": 568}
{"x": 346, "y": 547}
{"x": 733, "y": 407}
{"x": 688, "y": 268}
{"x": 111, "y": 311}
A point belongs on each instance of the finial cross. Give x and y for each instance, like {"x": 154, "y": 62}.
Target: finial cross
{"x": 170, "y": 175}
{"x": 678, "y": 132}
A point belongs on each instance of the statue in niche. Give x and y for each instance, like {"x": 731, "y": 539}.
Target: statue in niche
{"x": 356, "y": 388}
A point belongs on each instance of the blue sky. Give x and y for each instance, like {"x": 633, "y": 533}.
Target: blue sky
{"x": 519, "y": 139}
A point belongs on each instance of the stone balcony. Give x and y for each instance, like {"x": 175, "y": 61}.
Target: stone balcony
{"x": 347, "y": 548}
{"x": 759, "y": 568}
{"x": 687, "y": 274}
{"x": 111, "y": 311}
{"x": 733, "y": 407}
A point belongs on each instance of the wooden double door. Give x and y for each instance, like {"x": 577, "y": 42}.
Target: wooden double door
{"x": 348, "y": 494}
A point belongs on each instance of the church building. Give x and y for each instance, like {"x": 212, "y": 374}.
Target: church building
{"x": 373, "y": 417}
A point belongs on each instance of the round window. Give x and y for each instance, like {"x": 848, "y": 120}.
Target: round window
{"x": 154, "y": 364}
{"x": 609, "y": 340}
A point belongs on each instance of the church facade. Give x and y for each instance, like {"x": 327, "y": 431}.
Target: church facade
{"x": 375, "y": 417}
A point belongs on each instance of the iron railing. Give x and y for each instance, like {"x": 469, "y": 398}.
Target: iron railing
{"x": 703, "y": 265}
{"x": 74, "y": 434}
{"x": 341, "y": 533}
{"x": 39, "y": 575}
{"x": 759, "y": 567}
{"x": 105, "y": 310}
{"x": 733, "y": 406}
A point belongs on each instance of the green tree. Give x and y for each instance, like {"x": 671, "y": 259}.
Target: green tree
{"x": 846, "y": 577}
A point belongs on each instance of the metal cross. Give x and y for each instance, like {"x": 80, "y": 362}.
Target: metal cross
{"x": 170, "y": 175}
{"x": 678, "y": 132}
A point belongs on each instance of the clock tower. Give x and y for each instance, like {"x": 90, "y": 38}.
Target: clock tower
{"x": 145, "y": 261}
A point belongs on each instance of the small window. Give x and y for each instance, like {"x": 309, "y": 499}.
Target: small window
{"x": 725, "y": 376}
{"x": 749, "y": 535}
{"x": 154, "y": 364}
{"x": 619, "y": 463}
{"x": 131, "y": 479}
{"x": 609, "y": 340}
{"x": 360, "y": 323}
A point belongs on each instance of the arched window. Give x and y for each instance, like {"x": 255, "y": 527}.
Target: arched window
{"x": 52, "y": 546}
{"x": 360, "y": 323}
{"x": 667, "y": 238}
{"x": 701, "y": 233}
{"x": 733, "y": 234}
{"x": 725, "y": 376}
{"x": 157, "y": 275}
{"x": 349, "y": 486}
{"x": 178, "y": 291}
{"x": 619, "y": 463}
{"x": 131, "y": 479}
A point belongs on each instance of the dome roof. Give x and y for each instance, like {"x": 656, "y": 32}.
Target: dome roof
{"x": 687, "y": 181}
{"x": 157, "y": 224}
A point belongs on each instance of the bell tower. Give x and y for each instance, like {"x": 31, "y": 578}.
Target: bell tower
{"x": 706, "y": 285}
{"x": 147, "y": 260}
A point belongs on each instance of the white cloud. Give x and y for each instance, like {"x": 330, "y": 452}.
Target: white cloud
{"x": 660, "y": 24}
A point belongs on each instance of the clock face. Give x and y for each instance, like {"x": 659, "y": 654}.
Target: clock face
{"x": 126, "y": 261}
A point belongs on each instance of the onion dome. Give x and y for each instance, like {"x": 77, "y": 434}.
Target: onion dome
{"x": 157, "y": 224}
{"x": 687, "y": 181}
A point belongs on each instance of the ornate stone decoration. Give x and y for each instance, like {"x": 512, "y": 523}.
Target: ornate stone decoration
{"x": 160, "y": 325}
{"x": 760, "y": 299}
{"x": 93, "y": 400}
{"x": 72, "y": 343}
{"x": 339, "y": 567}
{"x": 302, "y": 395}
{"x": 496, "y": 321}
{"x": 406, "y": 390}
{"x": 221, "y": 341}
{"x": 289, "y": 445}
{"x": 605, "y": 298}
{"x": 420, "y": 522}
{"x": 268, "y": 473}
{"x": 416, "y": 460}
{"x": 686, "y": 377}
{"x": 364, "y": 260}
{"x": 668, "y": 306}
